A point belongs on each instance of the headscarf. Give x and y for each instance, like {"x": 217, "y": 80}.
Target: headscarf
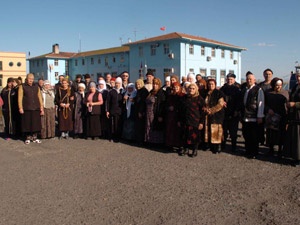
{"x": 131, "y": 95}
{"x": 102, "y": 82}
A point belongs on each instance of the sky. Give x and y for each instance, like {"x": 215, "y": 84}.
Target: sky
{"x": 269, "y": 29}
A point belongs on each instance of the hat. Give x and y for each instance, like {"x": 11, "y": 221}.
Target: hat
{"x": 81, "y": 85}
{"x": 231, "y": 75}
{"x": 167, "y": 78}
{"x": 46, "y": 82}
{"x": 113, "y": 79}
{"x": 78, "y": 76}
{"x": 150, "y": 72}
{"x": 119, "y": 80}
{"x": 92, "y": 84}
{"x": 87, "y": 76}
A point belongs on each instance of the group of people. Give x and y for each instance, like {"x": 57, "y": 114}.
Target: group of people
{"x": 185, "y": 115}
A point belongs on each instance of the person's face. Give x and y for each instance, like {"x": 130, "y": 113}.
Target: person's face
{"x": 168, "y": 83}
{"x": 211, "y": 85}
{"x": 183, "y": 79}
{"x": 176, "y": 89}
{"x": 113, "y": 83}
{"x": 250, "y": 80}
{"x": 92, "y": 89}
{"x": 149, "y": 78}
{"x": 87, "y": 80}
{"x": 278, "y": 87}
{"x": 190, "y": 79}
{"x": 30, "y": 80}
{"x": 230, "y": 80}
{"x": 173, "y": 80}
{"x": 156, "y": 86}
{"x": 60, "y": 78}
{"x": 10, "y": 85}
{"x": 65, "y": 84}
{"x": 192, "y": 90}
{"x": 198, "y": 78}
{"x": 78, "y": 79}
{"x": 130, "y": 89}
{"x": 138, "y": 85}
{"x": 125, "y": 76}
{"x": 41, "y": 83}
{"x": 268, "y": 76}
{"x": 14, "y": 84}
{"x": 101, "y": 86}
{"x": 118, "y": 85}
{"x": 81, "y": 89}
{"x": 47, "y": 86}
{"x": 108, "y": 78}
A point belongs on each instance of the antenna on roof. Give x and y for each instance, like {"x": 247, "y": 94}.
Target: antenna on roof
{"x": 121, "y": 40}
{"x": 79, "y": 50}
{"x": 134, "y": 31}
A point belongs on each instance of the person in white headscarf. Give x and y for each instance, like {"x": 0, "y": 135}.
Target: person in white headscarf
{"x": 128, "y": 131}
{"x": 79, "y": 111}
{"x": 191, "y": 78}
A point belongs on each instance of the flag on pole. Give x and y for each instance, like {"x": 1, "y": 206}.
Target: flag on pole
{"x": 163, "y": 28}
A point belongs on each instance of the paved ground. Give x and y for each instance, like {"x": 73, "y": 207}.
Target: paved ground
{"x": 98, "y": 182}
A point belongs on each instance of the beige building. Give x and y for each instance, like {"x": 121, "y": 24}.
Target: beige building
{"x": 12, "y": 64}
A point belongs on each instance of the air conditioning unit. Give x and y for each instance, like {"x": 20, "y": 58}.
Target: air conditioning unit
{"x": 208, "y": 58}
{"x": 235, "y": 62}
{"x": 171, "y": 55}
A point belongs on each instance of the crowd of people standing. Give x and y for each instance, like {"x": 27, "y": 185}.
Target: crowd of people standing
{"x": 184, "y": 115}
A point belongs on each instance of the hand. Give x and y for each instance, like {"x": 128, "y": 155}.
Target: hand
{"x": 291, "y": 104}
{"x": 107, "y": 115}
{"x": 259, "y": 120}
{"x": 125, "y": 97}
{"x": 62, "y": 105}
{"x": 140, "y": 115}
{"x": 21, "y": 111}
{"x": 67, "y": 105}
{"x": 42, "y": 112}
{"x": 171, "y": 108}
{"x": 200, "y": 127}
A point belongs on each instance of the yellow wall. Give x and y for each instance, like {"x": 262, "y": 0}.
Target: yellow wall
{"x": 15, "y": 70}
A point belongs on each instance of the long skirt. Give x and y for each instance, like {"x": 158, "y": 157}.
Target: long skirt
{"x": 93, "y": 125}
{"x": 173, "y": 132}
{"x": 191, "y": 135}
{"x": 31, "y": 121}
{"x": 65, "y": 120}
{"x": 48, "y": 123}
{"x": 292, "y": 143}
{"x": 214, "y": 133}
{"x": 128, "y": 132}
{"x": 10, "y": 124}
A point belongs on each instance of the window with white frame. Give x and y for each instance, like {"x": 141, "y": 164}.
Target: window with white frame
{"x": 166, "y": 48}
{"x": 231, "y": 71}
{"x": 167, "y": 72}
{"x": 76, "y": 62}
{"x": 55, "y": 62}
{"x": 191, "y": 49}
{"x": 213, "y": 74}
{"x": 99, "y": 60}
{"x": 92, "y": 61}
{"x": 191, "y": 70}
{"x": 222, "y": 53}
{"x": 231, "y": 54}
{"x": 1, "y": 78}
{"x": 213, "y": 52}
{"x": 203, "y": 50}
{"x": 203, "y": 72}
{"x": 222, "y": 77}
{"x": 153, "y": 49}
{"x": 83, "y": 62}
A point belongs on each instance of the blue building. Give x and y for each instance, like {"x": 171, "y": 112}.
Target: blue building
{"x": 173, "y": 53}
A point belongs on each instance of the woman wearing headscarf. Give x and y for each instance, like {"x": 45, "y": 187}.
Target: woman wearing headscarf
{"x": 173, "y": 130}
{"x": 292, "y": 144}
{"x": 214, "y": 103}
{"x": 79, "y": 111}
{"x": 64, "y": 98}
{"x": 93, "y": 101}
{"x": 140, "y": 110}
{"x": 9, "y": 101}
{"x": 155, "y": 113}
{"x": 114, "y": 103}
{"x": 276, "y": 115}
{"x": 128, "y": 132}
{"x": 48, "y": 119}
{"x": 102, "y": 88}
{"x": 31, "y": 108}
{"x": 191, "y": 120}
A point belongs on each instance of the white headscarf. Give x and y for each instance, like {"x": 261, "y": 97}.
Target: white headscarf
{"x": 131, "y": 95}
{"x": 101, "y": 89}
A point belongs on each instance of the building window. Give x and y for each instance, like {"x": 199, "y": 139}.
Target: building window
{"x": 231, "y": 71}
{"x": 166, "y": 49}
{"x": 213, "y": 52}
{"x": 222, "y": 53}
{"x": 141, "y": 51}
{"x": 56, "y": 62}
{"x": 37, "y": 63}
{"x": 191, "y": 49}
{"x": 67, "y": 67}
{"x": 114, "y": 59}
{"x": 92, "y": 61}
{"x": 106, "y": 61}
{"x": 167, "y": 72}
{"x": 122, "y": 58}
{"x": 56, "y": 75}
{"x": 202, "y": 50}
{"x": 203, "y": 72}
{"x": 1, "y": 67}
{"x": 18, "y": 64}
{"x": 99, "y": 60}
{"x": 153, "y": 49}
{"x": 213, "y": 74}
{"x": 222, "y": 77}
{"x": 191, "y": 70}
{"x": 83, "y": 62}
{"x": 11, "y": 64}
{"x": 1, "y": 76}
{"x": 42, "y": 62}
{"x": 76, "y": 62}
{"x": 231, "y": 54}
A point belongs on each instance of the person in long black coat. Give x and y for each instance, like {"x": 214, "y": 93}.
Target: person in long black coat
{"x": 114, "y": 104}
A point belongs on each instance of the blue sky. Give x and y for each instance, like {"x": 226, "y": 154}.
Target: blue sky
{"x": 268, "y": 29}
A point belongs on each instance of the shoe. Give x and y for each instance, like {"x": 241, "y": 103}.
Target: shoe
{"x": 296, "y": 163}
{"x": 37, "y": 141}
{"x": 27, "y": 142}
